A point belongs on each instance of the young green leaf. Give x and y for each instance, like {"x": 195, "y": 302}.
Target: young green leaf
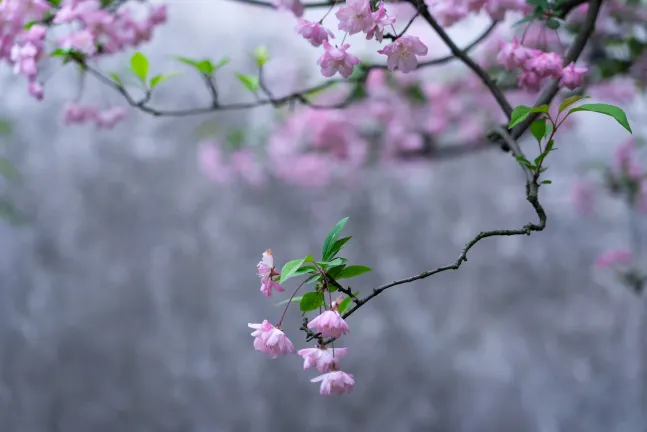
{"x": 158, "y": 79}
{"x": 345, "y": 303}
{"x": 222, "y": 62}
{"x": 262, "y": 56}
{"x": 331, "y": 239}
{"x": 116, "y": 78}
{"x": 338, "y": 245}
{"x": 206, "y": 67}
{"x": 610, "y": 110}
{"x": 250, "y": 82}
{"x": 521, "y": 112}
{"x": 546, "y": 182}
{"x": 352, "y": 271}
{"x": 139, "y": 65}
{"x": 538, "y": 129}
{"x": 8, "y": 170}
{"x": 311, "y": 301}
{"x": 292, "y": 300}
{"x": 290, "y": 268}
{"x": 570, "y": 101}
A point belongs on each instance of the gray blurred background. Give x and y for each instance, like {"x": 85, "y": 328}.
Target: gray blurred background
{"x": 125, "y": 299}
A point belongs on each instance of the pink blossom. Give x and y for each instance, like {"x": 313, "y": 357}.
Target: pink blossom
{"x": 322, "y": 358}
{"x": 380, "y": 20}
{"x": 530, "y": 80}
{"x": 271, "y": 340}
{"x": 25, "y": 58}
{"x": 75, "y": 113}
{"x": 295, "y": 6}
{"x": 329, "y": 324}
{"x": 35, "y": 34}
{"x": 335, "y": 383}
{"x": 336, "y": 60}
{"x": 107, "y": 119}
{"x": 402, "y": 53}
{"x": 82, "y": 41}
{"x": 572, "y": 76}
{"x": 355, "y": 16}
{"x": 313, "y": 32}
{"x": 267, "y": 273}
{"x": 514, "y": 55}
{"x": 612, "y": 258}
{"x": 35, "y": 89}
{"x": 448, "y": 12}
{"x": 212, "y": 163}
{"x": 546, "y": 64}
{"x": 583, "y": 197}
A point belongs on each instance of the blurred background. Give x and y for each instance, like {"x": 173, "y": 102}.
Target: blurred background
{"x": 126, "y": 292}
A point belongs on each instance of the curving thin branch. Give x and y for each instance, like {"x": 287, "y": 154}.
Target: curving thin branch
{"x": 423, "y": 9}
{"x": 532, "y": 196}
{"x": 299, "y": 96}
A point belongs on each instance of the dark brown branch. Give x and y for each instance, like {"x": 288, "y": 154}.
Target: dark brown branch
{"x": 300, "y": 96}
{"x": 532, "y": 196}
{"x": 462, "y": 56}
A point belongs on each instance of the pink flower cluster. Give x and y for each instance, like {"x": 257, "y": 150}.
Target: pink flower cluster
{"x": 356, "y": 16}
{"x": 625, "y": 176}
{"x": 537, "y": 65}
{"x": 93, "y": 31}
{"x": 271, "y": 340}
{"x": 449, "y": 12}
{"x": 75, "y": 113}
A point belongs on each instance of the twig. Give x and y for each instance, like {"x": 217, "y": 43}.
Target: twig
{"x": 532, "y": 196}
{"x": 457, "y": 52}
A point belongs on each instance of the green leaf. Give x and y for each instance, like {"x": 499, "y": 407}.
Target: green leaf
{"x": 335, "y": 270}
{"x": 352, "y": 271}
{"x": 338, "y": 245}
{"x": 9, "y": 213}
{"x": 8, "y": 170}
{"x": 290, "y": 268}
{"x": 5, "y": 127}
{"x": 292, "y": 300}
{"x": 552, "y": 24}
{"x": 345, "y": 303}
{"x": 610, "y": 110}
{"x": 30, "y": 24}
{"x": 331, "y": 239}
{"x": 236, "y": 137}
{"x": 250, "y": 82}
{"x": 262, "y": 56}
{"x": 311, "y": 301}
{"x": 139, "y": 65}
{"x": 538, "y": 128}
{"x": 304, "y": 270}
{"x": 570, "y": 101}
{"x": 116, "y": 78}
{"x": 222, "y": 62}
{"x": 206, "y": 67}
{"x": 158, "y": 79}
{"x": 309, "y": 258}
{"x": 546, "y": 182}
{"x": 60, "y": 52}
{"x": 521, "y": 112}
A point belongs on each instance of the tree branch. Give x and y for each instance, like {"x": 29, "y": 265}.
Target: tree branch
{"x": 480, "y": 72}
{"x": 300, "y": 96}
{"x": 532, "y": 196}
